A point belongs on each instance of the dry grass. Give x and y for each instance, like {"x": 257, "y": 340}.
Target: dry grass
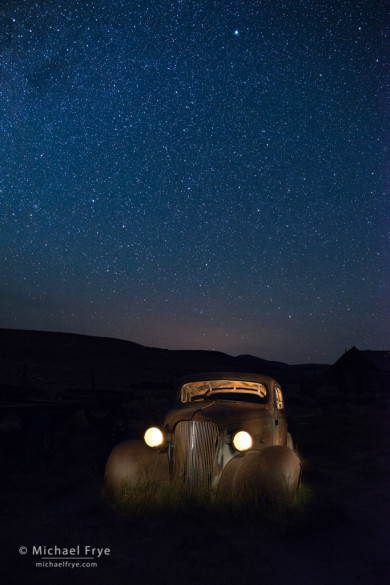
{"x": 153, "y": 499}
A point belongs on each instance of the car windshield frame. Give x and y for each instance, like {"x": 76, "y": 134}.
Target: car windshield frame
{"x": 212, "y": 389}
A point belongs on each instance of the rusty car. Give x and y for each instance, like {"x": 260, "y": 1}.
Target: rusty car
{"x": 226, "y": 433}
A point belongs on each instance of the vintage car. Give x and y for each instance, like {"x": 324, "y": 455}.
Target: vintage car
{"x": 227, "y": 433}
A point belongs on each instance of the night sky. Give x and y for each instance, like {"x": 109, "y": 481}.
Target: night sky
{"x": 197, "y": 174}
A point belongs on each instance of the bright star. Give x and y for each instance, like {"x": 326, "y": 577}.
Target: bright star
{"x": 236, "y": 33}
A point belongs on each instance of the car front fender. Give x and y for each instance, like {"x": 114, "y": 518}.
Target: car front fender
{"x": 275, "y": 470}
{"x": 131, "y": 462}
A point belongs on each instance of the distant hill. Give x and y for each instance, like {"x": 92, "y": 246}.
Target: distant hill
{"x": 49, "y": 361}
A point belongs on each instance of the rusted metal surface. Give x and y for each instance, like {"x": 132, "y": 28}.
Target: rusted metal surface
{"x": 131, "y": 462}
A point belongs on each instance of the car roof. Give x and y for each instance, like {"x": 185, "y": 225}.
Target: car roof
{"x": 247, "y": 377}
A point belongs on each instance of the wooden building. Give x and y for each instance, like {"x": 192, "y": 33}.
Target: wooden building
{"x": 358, "y": 376}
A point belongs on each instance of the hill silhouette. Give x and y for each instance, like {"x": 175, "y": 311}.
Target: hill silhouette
{"x": 51, "y": 361}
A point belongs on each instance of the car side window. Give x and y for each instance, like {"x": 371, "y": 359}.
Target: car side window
{"x": 279, "y": 403}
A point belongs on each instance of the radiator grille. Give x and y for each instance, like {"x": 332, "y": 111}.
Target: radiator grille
{"x": 195, "y": 451}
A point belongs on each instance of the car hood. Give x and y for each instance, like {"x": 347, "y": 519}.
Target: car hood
{"x": 223, "y": 412}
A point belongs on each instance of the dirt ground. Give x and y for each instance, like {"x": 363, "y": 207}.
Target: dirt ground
{"x": 341, "y": 535}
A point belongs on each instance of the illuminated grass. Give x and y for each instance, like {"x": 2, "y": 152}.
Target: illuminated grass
{"x": 151, "y": 498}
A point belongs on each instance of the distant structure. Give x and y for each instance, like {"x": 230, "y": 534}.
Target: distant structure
{"x": 359, "y": 375}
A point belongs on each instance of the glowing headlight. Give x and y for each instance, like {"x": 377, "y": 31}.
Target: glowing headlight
{"x": 242, "y": 441}
{"x": 153, "y": 437}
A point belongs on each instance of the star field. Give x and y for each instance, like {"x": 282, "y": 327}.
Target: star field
{"x": 196, "y": 173}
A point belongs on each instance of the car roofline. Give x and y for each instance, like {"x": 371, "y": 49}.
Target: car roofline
{"x": 242, "y": 376}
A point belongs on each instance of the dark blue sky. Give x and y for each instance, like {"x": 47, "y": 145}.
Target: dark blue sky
{"x": 197, "y": 174}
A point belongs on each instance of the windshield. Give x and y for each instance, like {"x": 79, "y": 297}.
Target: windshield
{"x": 224, "y": 390}
{"x": 236, "y": 397}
